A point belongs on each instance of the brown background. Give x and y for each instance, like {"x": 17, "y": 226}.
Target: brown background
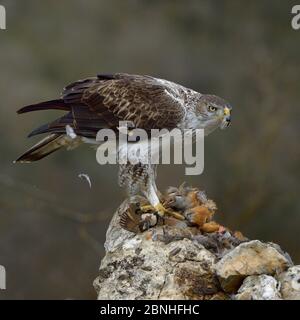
{"x": 52, "y": 226}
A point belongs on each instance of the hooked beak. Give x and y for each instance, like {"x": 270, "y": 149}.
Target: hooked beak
{"x": 227, "y": 118}
{"x": 226, "y": 111}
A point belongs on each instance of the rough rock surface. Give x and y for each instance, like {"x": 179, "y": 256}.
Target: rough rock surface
{"x": 290, "y": 283}
{"x": 250, "y": 258}
{"x": 173, "y": 262}
{"x": 262, "y": 287}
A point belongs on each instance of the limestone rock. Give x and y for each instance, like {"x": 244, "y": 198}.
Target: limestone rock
{"x": 145, "y": 269}
{"x": 290, "y": 283}
{"x": 250, "y": 258}
{"x": 262, "y": 287}
{"x": 182, "y": 261}
{"x": 191, "y": 276}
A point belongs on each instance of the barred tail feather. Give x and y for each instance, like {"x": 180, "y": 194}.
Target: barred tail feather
{"x": 42, "y": 149}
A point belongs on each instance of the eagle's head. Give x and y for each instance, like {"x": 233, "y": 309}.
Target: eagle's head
{"x": 213, "y": 112}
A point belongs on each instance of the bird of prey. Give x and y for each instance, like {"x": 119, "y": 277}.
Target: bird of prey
{"x": 144, "y": 101}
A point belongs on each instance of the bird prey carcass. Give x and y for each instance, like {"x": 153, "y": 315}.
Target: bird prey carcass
{"x": 146, "y": 102}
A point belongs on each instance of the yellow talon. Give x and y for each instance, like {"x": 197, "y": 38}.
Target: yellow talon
{"x": 147, "y": 208}
{"x": 162, "y": 211}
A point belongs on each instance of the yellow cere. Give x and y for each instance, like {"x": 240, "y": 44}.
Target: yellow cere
{"x": 226, "y": 111}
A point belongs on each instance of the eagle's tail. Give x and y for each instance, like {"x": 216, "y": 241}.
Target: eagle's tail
{"x": 43, "y": 148}
{"x": 58, "y": 104}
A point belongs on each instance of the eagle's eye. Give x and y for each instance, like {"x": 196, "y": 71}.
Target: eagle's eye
{"x": 212, "y": 109}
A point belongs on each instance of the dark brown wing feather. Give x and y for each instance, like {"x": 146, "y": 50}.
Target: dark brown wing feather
{"x": 58, "y": 104}
{"x": 103, "y": 101}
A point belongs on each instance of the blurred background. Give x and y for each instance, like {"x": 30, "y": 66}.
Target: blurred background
{"x": 52, "y": 225}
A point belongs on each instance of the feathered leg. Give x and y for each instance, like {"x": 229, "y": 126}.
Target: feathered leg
{"x": 140, "y": 178}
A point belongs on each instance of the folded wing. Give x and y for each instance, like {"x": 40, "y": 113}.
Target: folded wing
{"x": 103, "y": 101}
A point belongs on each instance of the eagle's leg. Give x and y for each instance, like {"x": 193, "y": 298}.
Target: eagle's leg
{"x": 140, "y": 178}
{"x": 129, "y": 182}
{"x": 155, "y": 203}
{"x": 162, "y": 211}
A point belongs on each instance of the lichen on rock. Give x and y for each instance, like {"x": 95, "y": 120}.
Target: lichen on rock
{"x": 145, "y": 269}
{"x": 290, "y": 283}
{"x": 261, "y": 287}
{"x": 181, "y": 260}
{"x": 250, "y": 258}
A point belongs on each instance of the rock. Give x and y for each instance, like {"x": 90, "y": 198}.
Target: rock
{"x": 181, "y": 261}
{"x": 191, "y": 276}
{"x": 250, "y": 258}
{"x": 290, "y": 283}
{"x": 132, "y": 271}
{"x": 145, "y": 269}
{"x": 262, "y": 287}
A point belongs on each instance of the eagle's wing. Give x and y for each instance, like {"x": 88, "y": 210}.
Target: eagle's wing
{"x": 103, "y": 101}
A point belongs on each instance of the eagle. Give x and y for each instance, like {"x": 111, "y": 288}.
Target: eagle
{"x": 145, "y": 102}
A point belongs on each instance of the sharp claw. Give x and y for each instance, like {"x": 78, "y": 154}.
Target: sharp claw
{"x": 163, "y": 211}
{"x": 176, "y": 215}
{"x": 147, "y": 208}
